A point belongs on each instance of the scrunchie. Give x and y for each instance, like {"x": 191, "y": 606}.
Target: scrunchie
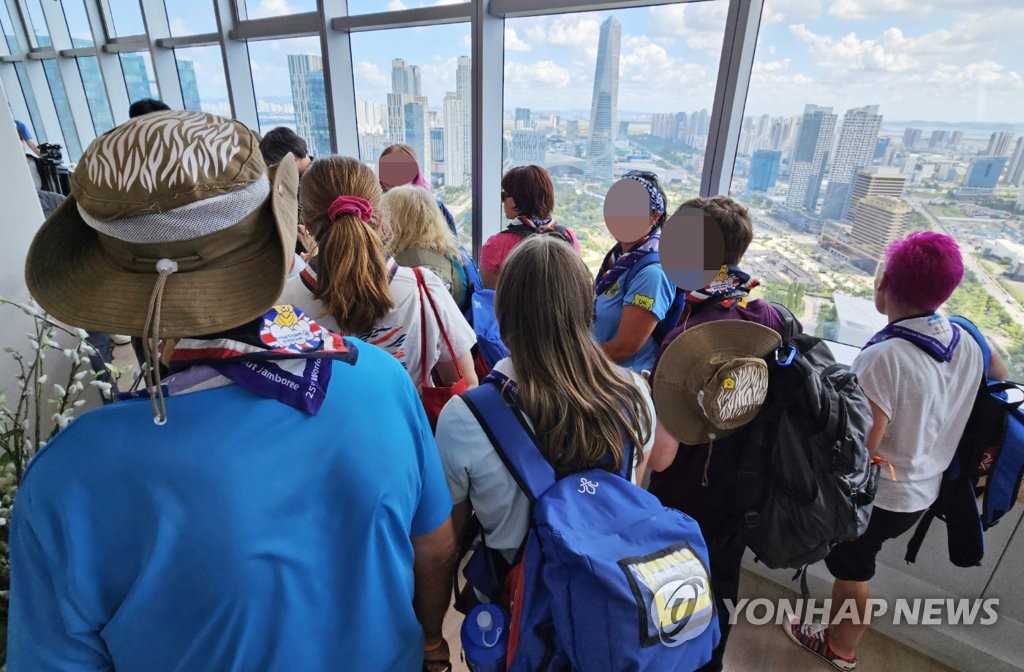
{"x": 657, "y": 200}
{"x": 350, "y": 205}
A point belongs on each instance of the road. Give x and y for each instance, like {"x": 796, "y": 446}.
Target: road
{"x": 990, "y": 283}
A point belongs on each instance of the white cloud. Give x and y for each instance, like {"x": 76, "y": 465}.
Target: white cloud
{"x": 539, "y": 74}
{"x": 892, "y": 52}
{"x": 513, "y": 42}
{"x": 467, "y": 42}
{"x": 775, "y": 11}
{"x": 700, "y": 25}
{"x": 267, "y": 8}
{"x": 860, "y": 10}
{"x": 395, "y": 5}
{"x": 372, "y": 74}
{"x": 579, "y": 31}
{"x": 179, "y": 27}
{"x": 974, "y": 75}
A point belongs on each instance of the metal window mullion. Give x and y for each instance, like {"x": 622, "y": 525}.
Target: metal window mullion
{"x": 237, "y": 71}
{"x": 404, "y": 18}
{"x": 737, "y": 62}
{"x": 74, "y": 88}
{"x": 12, "y": 86}
{"x": 110, "y": 64}
{"x": 519, "y": 8}
{"x": 339, "y": 81}
{"x": 488, "y": 81}
{"x": 165, "y": 66}
{"x": 40, "y": 88}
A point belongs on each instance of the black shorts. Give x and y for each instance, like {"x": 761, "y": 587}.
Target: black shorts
{"x": 855, "y": 560}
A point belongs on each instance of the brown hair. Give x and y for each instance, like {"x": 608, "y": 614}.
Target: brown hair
{"x": 531, "y": 188}
{"x": 732, "y": 219}
{"x": 583, "y": 407}
{"x": 352, "y": 278}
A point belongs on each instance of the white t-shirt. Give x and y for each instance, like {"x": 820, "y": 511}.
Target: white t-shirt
{"x": 927, "y": 403}
{"x": 398, "y": 332}
{"x": 475, "y": 470}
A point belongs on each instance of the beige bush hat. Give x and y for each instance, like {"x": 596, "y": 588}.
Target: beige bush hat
{"x": 713, "y": 379}
{"x": 187, "y": 190}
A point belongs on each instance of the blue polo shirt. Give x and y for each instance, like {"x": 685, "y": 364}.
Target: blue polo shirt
{"x": 649, "y": 289}
{"x": 242, "y": 535}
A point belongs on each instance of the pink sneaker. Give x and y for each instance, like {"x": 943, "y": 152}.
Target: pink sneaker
{"x": 814, "y": 638}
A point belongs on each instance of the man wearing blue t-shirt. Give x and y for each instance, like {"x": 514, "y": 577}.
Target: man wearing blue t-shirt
{"x": 276, "y": 502}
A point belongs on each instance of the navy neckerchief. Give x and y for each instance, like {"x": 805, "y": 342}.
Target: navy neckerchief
{"x": 726, "y": 290}
{"x": 616, "y": 262}
{"x": 929, "y": 344}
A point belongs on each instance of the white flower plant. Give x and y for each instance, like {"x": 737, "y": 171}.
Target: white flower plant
{"x": 36, "y": 408}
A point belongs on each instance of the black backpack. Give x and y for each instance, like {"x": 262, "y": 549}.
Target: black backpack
{"x": 805, "y": 479}
{"x": 525, "y": 230}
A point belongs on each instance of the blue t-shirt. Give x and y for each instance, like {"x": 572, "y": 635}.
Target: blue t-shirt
{"x": 27, "y": 135}
{"x": 649, "y": 289}
{"x": 242, "y": 535}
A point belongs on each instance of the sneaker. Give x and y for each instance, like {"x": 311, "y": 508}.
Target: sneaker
{"x": 814, "y": 638}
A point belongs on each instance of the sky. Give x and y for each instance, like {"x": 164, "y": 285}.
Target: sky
{"x": 942, "y": 60}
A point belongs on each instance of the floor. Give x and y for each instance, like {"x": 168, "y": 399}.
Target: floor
{"x": 766, "y": 648}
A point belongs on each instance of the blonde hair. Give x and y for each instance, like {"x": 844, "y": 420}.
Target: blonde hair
{"x": 416, "y": 221}
{"x": 352, "y": 278}
{"x": 584, "y": 407}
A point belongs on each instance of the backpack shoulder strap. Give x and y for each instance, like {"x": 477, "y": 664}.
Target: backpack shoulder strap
{"x": 970, "y": 328}
{"x": 788, "y": 320}
{"x": 511, "y": 439}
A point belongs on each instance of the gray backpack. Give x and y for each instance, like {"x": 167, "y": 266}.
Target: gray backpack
{"x": 805, "y": 480}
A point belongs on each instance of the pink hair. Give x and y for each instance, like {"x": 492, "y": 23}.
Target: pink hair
{"x": 923, "y": 269}
{"x": 418, "y": 180}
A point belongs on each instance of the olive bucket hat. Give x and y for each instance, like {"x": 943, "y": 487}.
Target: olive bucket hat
{"x": 173, "y": 227}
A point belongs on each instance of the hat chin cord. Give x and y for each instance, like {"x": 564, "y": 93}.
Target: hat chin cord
{"x": 151, "y": 332}
{"x": 705, "y": 481}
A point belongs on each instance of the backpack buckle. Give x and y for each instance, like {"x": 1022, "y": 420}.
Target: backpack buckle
{"x": 751, "y": 519}
{"x": 785, "y": 359}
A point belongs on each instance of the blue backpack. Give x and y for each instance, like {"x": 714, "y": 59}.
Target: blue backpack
{"x": 988, "y": 463}
{"x": 607, "y": 578}
{"x": 469, "y": 274}
{"x": 488, "y": 338}
{"x": 675, "y": 311}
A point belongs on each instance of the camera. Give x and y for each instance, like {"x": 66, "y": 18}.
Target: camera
{"x": 51, "y": 152}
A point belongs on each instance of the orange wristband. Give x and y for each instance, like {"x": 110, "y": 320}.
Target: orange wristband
{"x": 427, "y": 648}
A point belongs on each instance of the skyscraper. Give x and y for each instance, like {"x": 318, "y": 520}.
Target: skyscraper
{"x": 528, "y": 147}
{"x": 405, "y": 88}
{"x": 982, "y": 175}
{"x": 604, "y": 105}
{"x": 877, "y": 221}
{"x": 1015, "y": 169}
{"x": 95, "y": 93}
{"x": 309, "y": 99}
{"x": 189, "y": 86}
{"x": 764, "y": 169}
{"x": 878, "y": 181}
{"x": 857, "y": 139}
{"x": 417, "y": 132}
{"x": 522, "y": 118}
{"x": 463, "y": 87}
{"x": 454, "y": 165}
{"x": 810, "y": 156}
{"x": 911, "y": 137}
{"x": 999, "y": 144}
{"x": 136, "y": 77}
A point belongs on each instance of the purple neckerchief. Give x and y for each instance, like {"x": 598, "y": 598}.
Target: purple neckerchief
{"x": 616, "y": 263}
{"x": 931, "y": 345}
{"x": 300, "y": 383}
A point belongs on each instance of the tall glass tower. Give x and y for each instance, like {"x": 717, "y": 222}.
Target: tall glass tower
{"x": 604, "y": 105}
{"x": 310, "y": 100}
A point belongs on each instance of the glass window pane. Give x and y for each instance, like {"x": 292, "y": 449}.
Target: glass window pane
{"x": 127, "y": 16}
{"x": 288, "y": 79}
{"x": 34, "y": 122}
{"x": 413, "y": 86}
{"x": 39, "y": 34}
{"x": 833, "y": 171}
{"x": 96, "y": 94}
{"x": 191, "y": 17}
{"x": 9, "y": 44}
{"x": 203, "y": 87}
{"x": 591, "y": 95}
{"x": 260, "y": 9}
{"x": 138, "y": 76}
{"x": 78, "y": 23}
{"x": 374, "y": 6}
{"x": 72, "y": 145}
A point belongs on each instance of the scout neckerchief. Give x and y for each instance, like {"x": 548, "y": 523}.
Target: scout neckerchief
{"x": 616, "y": 262}
{"x": 284, "y": 355}
{"x": 729, "y": 287}
{"x": 931, "y": 345}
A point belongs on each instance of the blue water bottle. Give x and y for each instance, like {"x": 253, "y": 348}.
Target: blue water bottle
{"x": 485, "y": 638}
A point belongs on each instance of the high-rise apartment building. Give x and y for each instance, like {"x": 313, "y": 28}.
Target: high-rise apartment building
{"x": 810, "y": 156}
{"x": 999, "y": 144}
{"x": 136, "y": 77}
{"x": 912, "y": 137}
{"x": 522, "y": 118}
{"x": 309, "y": 98}
{"x": 877, "y": 221}
{"x": 528, "y": 147}
{"x": 938, "y": 139}
{"x": 878, "y": 181}
{"x": 455, "y": 168}
{"x": 982, "y": 174}
{"x": 857, "y": 139}
{"x": 956, "y": 138}
{"x": 764, "y": 170}
{"x": 417, "y": 131}
{"x": 463, "y": 87}
{"x": 604, "y": 105}
{"x": 664, "y": 126}
{"x": 405, "y": 88}
{"x": 1015, "y": 169}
